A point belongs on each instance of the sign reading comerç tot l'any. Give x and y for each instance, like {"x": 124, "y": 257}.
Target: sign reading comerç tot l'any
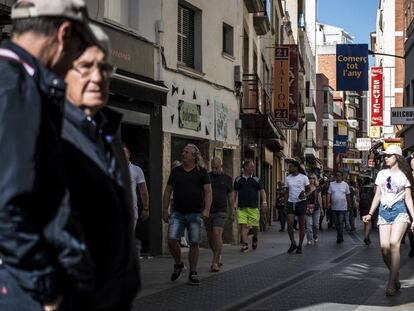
{"x": 352, "y": 67}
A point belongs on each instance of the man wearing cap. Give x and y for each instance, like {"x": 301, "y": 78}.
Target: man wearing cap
{"x": 41, "y": 249}
{"x": 96, "y": 165}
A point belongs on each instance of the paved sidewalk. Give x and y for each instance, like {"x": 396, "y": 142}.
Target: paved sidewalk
{"x": 348, "y": 276}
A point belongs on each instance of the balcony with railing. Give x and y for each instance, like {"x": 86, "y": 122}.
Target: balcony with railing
{"x": 310, "y": 150}
{"x": 310, "y": 110}
{"x": 255, "y": 6}
{"x": 256, "y": 109}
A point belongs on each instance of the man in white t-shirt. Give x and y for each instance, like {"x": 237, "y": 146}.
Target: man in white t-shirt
{"x": 338, "y": 202}
{"x": 297, "y": 186}
{"x": 138, "y": 178}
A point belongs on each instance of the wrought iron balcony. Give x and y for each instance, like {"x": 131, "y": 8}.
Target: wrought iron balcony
{"x": 255, "y": 6}
{"x": 255, "y": 98}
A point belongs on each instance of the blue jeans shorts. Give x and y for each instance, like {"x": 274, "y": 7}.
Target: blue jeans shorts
{"x": 394, "y": 214}
{"x": 192, "y": 222}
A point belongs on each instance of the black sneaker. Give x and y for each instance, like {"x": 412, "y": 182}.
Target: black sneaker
{"x": 178, "y": 271}
{"x": 254, "y": 243}
{"x": 193, "y": 279}
{"x": 411, "y": 253}
{"x": 299, "y": 250}
{"x": 292, "y": 248}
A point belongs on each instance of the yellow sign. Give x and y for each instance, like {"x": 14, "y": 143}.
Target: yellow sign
{"x": 392, "y": 141}
{"x": 375, "y": 131}
{"x": 342, "y": 128}
{"x": 281, "y": 83}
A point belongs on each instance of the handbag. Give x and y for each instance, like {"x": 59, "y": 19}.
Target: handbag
{"x": 310, "y": 208}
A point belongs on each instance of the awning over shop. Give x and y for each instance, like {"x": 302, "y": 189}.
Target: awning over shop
{"x": 142, "y": 89}
{"x": 274, "y": 144}
{"x": 261, "y": 125}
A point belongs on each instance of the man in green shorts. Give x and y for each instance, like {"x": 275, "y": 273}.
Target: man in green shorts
{"x": 247, "y": 189}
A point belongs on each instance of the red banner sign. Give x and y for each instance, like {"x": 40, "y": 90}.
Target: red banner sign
{"x": 376, "y": 97}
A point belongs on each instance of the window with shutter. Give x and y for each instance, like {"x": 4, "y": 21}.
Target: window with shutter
{"x": 185, "y": 36}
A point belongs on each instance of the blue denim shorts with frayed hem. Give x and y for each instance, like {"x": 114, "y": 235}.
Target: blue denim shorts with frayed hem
{"x": 397, "y": 213}
{"x": 179, "y": 221}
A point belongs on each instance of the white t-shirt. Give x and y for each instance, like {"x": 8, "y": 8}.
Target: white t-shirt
{"x": 392, "y": 186}
{"x": 137, "y": 177}
{"x": 339, "y": 190}
{"x": 296, "y": 185}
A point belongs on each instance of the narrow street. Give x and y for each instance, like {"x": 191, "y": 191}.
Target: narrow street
{"x": 327, "y": 276}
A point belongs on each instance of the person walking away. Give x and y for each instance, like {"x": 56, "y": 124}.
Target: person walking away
{"x": 366, "y": 195}
{"x": 353, "y": 206}
{"x": 393, "y": 195}
{"x": 42, "y": 250}
{"x": 338, "y": 201}
{"x": 99, "y": 182}
{"x": 297, "y": 184}
{"x": 191, "y": 188}
{"x": 324, "y": 194}
{"x": 280, "y": 205}
{"x": 313, "y": 210}
{"x": 248, "y": 193}
{"x": 222, "y": 188}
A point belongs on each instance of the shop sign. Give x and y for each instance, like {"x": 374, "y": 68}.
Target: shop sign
{"x": 293, "y": 83}
{"x": 371, "y": 162}
{"x": 376, "y": 96}
{"x": 392, "y": 141}
{"x": 129, "y": 54}
{"x": 189, "y": 116}
{"x": 364, "y": 144}
{"x": 221, "y": 119}
{"x": 342, "y": 127}
{"x": 352, "y": 67}
{"x": 402, "y": 115}
{"x": 375, "y": 131}
{"x": 339, "y": 145}
{"x": 281, "y": 83}
{"x": 351, "y": 161}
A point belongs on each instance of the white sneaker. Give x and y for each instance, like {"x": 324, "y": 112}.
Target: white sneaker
{"x": 316, "y": 240}
{"x": 310, "y": 242}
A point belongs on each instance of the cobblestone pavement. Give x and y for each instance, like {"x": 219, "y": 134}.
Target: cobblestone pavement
{"x": 327, "y": 276}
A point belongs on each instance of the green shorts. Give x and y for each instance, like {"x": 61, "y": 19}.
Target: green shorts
{"x": 248, "y": 216}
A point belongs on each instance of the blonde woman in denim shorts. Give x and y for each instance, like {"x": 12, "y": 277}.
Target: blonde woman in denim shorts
{"x": 393, "y": 195}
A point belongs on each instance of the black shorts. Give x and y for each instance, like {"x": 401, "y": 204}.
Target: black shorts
{"x": 297, "y": 208}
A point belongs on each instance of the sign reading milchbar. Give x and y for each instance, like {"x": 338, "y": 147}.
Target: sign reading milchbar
{"x": 189, "y": 116}
{"x": 402, "y": 115}
{"x": 352, "y": 67}
{"x": 286, "y": 95}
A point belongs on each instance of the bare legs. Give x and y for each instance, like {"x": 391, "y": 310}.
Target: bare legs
{"x": 216, "y": 244}
{"x": 390, "y": 239}
{"x": 301, "y": 220}
{"x": 175, "y": 251}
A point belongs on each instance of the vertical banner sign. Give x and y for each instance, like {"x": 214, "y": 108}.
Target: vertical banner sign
{"x": 281, "y": 83}
{"x": 339, "y": 145}
{"x": 352, "y": 67}
{"x": 376, "y": 96}
{"x": 293, "y": 83}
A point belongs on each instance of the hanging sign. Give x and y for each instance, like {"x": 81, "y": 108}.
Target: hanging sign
{"x": 376, "y": 97}
{"x": 352, "y": 67}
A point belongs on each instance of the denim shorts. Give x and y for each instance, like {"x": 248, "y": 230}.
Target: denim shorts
{"x": 394, "y": 214}
{"x": 192, "y": 222}
{"x": 216, "y": 220}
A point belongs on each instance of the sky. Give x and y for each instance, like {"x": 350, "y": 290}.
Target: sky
{"x": 357, "y": 17}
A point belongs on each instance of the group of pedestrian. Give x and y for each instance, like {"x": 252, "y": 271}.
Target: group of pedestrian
{"x": 66, "y": 217}
{"x": 194, "y": 197}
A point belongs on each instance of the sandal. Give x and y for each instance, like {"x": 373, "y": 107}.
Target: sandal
{"x": 215, "y": 268}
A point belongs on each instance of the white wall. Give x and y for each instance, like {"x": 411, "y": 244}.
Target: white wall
{"x": 216, "y": 81}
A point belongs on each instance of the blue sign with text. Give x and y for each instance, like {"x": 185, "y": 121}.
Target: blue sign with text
{"x": 339, "y": 145}
{"x": 352, "y": 67}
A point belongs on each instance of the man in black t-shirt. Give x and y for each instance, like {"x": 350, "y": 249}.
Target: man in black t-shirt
{"x": 247, "y": 189}
{"x": 221, "y": 185}
{"x": 190, "y": 185}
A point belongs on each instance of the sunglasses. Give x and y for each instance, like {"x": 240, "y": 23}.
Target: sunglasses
{"x": 388, "y": 182}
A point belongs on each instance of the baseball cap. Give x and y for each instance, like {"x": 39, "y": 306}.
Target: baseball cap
{"x": 75, "y": 10}
{"x": 393, "y": 149}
